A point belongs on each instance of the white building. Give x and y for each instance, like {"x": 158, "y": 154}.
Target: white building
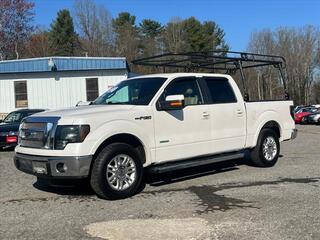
{"x": 57, "y": 82}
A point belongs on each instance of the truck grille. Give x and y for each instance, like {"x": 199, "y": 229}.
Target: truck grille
{"x": 37, "y": 132}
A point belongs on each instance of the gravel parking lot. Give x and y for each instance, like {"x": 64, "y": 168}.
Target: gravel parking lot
{"x": 224, "y": 201}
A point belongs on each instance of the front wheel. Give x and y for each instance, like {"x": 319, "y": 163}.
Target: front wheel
{"x": 116, "y": 172}
{"x": 266, "y": 152}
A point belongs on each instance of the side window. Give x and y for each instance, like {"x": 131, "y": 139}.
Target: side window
{"x": 187, "y": 87}
{"x": 220, "y": 90}
{"x": 92, "y": 88}
{"x": 21, "y": 94}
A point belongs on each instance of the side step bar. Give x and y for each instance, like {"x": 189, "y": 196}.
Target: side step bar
{"x": 193, "y": 162}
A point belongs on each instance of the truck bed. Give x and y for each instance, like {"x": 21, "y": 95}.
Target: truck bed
{"x": 259, "y": 113}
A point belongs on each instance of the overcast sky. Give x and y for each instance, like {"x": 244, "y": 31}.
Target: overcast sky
{"x": 237, "y": 17}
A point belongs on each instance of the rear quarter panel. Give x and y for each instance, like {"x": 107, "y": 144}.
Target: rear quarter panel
{"x": 259, "y": 113}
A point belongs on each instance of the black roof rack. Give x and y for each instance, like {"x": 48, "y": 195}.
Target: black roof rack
{"x": 226, "y": 61}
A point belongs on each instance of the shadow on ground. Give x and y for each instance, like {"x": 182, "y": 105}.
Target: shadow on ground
{"x": 82, "y": 187}
{"x": 208, "y": 197}
{"x": 192, "y": 173}
{"x": 209, "y": 200}
{"x": 65, "y": 187}
{"x": 8, "y": 149}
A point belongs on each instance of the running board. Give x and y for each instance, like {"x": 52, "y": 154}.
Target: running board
{"x": 193, "y": 162}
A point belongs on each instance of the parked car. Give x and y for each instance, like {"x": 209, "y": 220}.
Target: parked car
{"x": 158, "y": 122}
{"x": 303, "y": 112}
{"x": 10, "y": 125}
{"x": 297, "y": 108}
{"x": 311, "y": 118}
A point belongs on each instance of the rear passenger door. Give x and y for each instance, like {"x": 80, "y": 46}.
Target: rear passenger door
{"x": 227, "y": 115}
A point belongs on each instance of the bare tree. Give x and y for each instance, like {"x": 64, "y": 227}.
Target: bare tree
{"x": 16, "y": 18}
{"x": 94, "y": 24}
{"x": 174, "y": 36}
{"x": 38, "y": 44}
{"x": 300, "y": 48}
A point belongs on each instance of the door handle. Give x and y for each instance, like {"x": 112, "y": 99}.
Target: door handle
{"x": 239, "y": 112}
{"x": 205, "y": 115}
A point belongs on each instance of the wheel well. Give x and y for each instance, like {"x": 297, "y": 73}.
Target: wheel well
{"x": 124, "y": 138}
{"x": 274, "y": 126}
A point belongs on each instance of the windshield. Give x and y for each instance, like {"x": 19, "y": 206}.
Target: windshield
{"x": 138, "y": 91}
{"x": 13, "y": 117}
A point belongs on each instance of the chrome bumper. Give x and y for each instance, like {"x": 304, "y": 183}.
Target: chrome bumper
{"x": 54, "y": 167}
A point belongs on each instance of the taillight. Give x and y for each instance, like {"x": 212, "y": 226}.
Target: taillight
{"x": 292, "y": 112}
{"x": 11, "y": 139}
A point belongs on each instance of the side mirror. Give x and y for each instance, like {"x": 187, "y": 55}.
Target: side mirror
{"x": 1, "y": 121}
{"x": 172, "y": 102}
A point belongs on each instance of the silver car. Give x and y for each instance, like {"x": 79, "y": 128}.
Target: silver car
{"x": 312, "y": 118}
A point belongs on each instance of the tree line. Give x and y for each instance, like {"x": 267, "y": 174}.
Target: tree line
{"x": 89, "y": 29}
{"x": 301, "y": 49}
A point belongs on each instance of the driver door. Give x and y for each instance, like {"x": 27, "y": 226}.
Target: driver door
{"x": 181, "y": 134}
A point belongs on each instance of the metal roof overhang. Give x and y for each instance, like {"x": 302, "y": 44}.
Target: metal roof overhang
{"x": 58, "y": 64}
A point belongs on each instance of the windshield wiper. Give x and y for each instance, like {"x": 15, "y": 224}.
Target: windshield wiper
{"x": 115, "y": 103}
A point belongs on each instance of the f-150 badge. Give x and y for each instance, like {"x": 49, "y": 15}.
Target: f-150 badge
{"x": 143, "y": 118}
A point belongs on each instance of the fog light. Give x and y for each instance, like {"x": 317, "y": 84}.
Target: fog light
{"x": 40, "y": 170}
{"x": 61, "y": 167}
{"x": 39, "y": 167}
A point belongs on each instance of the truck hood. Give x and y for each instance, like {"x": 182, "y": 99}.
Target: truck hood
{"x": 84, "y": 111}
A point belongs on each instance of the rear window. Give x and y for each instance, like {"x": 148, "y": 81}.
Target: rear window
{"x": 220, "y": 91}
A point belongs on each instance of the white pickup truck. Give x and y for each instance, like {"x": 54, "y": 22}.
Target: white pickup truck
{"x": 162, "y": 121}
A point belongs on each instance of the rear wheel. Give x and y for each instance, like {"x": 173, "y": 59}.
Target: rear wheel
{"x": 117, "y": 172}
{"x": 267, "y": 150}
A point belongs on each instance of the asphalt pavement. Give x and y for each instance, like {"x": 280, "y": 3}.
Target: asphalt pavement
{"x": 220, "y": 201}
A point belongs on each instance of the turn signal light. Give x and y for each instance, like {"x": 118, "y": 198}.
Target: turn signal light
{"x": 175, "y": 104}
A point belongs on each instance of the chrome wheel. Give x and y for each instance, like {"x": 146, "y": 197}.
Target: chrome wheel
{"x": 121, "y": 172}
{"x": 269, "y": 148}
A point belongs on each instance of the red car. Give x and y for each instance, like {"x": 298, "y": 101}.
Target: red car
{"x": 302, "y": 113}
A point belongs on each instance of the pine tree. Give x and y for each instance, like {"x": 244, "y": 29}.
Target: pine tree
{"x": 62, "y": 37}
{"x": 150, "y": 28}
{"x": 126, "y": 35}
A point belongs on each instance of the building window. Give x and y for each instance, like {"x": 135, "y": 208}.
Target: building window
{"x": 21, "y": 95}
{"x": 92, "y": 88}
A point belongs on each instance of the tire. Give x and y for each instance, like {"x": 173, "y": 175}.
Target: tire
{"x": 269, "y": 141}
{"x": 117, "y": 172}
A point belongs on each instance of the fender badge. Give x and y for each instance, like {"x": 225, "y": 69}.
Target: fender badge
{"x": 143, "y": 118}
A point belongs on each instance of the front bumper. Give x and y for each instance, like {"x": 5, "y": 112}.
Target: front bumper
{"x": 48, "y": 167}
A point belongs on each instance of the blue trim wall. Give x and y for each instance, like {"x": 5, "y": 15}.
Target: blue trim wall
{"x": 62, "y": 64}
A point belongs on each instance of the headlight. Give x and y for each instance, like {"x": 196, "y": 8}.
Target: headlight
{"x": 70, "y": 134}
